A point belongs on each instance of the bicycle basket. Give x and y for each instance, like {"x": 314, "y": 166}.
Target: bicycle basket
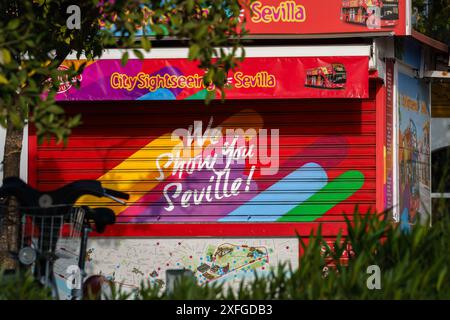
{"x": 43, "y": 233}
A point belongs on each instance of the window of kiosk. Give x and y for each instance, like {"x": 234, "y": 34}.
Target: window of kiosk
{"x": 440, "y": 170}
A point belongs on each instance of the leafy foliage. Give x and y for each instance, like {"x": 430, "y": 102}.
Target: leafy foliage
{"x": 35, "y": 39}
{"x": 433, "y": 18}
{"x": 414, "y": 265}
{"x": 21, "y": 286}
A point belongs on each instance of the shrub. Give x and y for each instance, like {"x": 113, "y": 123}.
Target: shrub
{"x": 414, "y": 265}
{"x": 21, "y": 286}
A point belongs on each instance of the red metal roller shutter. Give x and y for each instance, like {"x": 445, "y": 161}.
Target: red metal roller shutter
{"x": 327, "y": 159}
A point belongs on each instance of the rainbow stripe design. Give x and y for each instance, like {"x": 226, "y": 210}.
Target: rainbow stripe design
{"x": 301, "y": 191}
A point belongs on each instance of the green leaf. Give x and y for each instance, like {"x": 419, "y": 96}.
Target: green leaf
{"x": 209, "y": 77}
{"x": 3, "y": 80}
{"x": 202, "y": 31}
{"x": 74, "y": 121}
{"x": 242, "y": 54}
{"x": 441, "y": 278}
{"x": 30, "y": 43}
{"x": 13, "y": 24}
{"x": 124, "y": 59}
{"x": 40, "y": 139}
{"x": 193, "y": 51}
{"x": 210, "y": 96}
{"x": 157, "y": 29}
{"x": 3, "y": 121}
{"x": 55, "y": 109}
{"x": 6, "y": 56}
{"x": 145, "y": 43}
{"x": 16, "y": 119}
{"x": 138, "y": 53}
{"x": 189, "y": 5}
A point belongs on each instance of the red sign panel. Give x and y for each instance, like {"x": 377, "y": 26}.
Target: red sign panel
{"x": 326, "y": 17}
{"x": 256, "y": 78}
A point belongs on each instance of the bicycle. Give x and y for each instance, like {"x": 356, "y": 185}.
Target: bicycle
{"x": 48, "y": 219}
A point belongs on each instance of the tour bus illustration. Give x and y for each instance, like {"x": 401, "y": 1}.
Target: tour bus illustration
{"x": 332, "y": 76}
{"x": 373, "y": 13}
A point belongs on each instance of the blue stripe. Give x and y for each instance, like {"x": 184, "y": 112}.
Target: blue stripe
{"x": 273, "y": 203}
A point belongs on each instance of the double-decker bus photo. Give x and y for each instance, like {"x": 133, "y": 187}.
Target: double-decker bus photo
{"x": 373, "y": 13}
{"x": 332, "y": 76}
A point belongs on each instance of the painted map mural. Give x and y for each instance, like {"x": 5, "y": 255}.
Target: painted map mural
{"x": 128, "y": 262}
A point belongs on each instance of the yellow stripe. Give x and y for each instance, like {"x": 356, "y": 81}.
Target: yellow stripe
{"x": 131, "y": 174}
{"x": 126, "y": 176}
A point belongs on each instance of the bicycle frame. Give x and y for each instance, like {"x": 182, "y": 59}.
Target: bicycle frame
{"x": 77, "y": 293}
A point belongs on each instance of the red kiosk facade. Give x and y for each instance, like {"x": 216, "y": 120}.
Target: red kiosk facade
{"x": 305, "y": 135}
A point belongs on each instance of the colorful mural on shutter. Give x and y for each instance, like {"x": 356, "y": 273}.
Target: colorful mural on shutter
{"x": 276, "y": 161}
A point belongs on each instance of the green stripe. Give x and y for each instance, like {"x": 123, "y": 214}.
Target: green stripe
{"x": 321, "y": 202}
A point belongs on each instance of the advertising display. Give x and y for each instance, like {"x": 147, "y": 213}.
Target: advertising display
{"x": 304, "y": 17}
{"x": 256, "y": 78}
{"x": 414, "y": 150}
{"x": 314, "y": 17}
{"x": 221, "y": 189}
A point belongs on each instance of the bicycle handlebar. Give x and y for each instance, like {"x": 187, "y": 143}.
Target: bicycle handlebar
{"x": 66, "y": 195}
